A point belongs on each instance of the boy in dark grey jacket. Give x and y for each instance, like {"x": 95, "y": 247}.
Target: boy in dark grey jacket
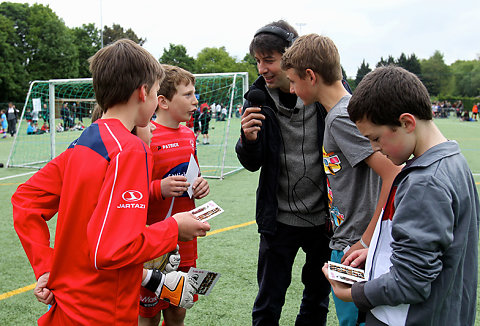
{"x": 422, "y": 262}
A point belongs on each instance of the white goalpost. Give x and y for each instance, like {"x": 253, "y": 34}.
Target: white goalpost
{"x": 46, "y": 98}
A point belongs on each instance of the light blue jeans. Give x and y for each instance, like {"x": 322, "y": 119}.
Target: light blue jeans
{"x": 347, "y": 312}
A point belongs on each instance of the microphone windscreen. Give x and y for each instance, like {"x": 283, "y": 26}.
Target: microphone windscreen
{"x": 256, "y": 97}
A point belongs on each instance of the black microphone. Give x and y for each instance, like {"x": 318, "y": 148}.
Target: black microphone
{"x": 256, "y": 98}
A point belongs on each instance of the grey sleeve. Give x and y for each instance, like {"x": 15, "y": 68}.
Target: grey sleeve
{"x": 354, "y": 146}
{"x": 359, "y": 298}
{"x": 422, "y": 230}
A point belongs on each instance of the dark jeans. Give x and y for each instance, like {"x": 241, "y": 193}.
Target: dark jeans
{"x": 276, "y": 256}
{"x": 12, "y": 127}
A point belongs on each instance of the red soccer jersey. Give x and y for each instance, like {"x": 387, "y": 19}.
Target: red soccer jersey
{"x": 100, "y": 188}
{"x": 171, "y": 148}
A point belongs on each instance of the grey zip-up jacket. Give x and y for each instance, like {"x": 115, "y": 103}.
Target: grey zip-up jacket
{"x": 433, "y": 220}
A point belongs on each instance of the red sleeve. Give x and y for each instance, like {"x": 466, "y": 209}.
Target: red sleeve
{"x": 34, "y": 203}
{"x": 156, "y": 190}
{"x": 117, "y": 232}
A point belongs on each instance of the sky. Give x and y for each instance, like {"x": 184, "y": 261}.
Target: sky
{"x": 361, "y": 29}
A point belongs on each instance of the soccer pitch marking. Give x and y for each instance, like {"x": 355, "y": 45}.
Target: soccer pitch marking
{"x": 32, "y": 286}
{"x": 17, "y": 175}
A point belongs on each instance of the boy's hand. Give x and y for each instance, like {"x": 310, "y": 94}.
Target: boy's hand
{"x": 251, "y": 122}
{"x": 41, "y": 292}
{"x": 189, "y": 227}
{"x": 357, "y": 258}
{"x": 174, "y": 287}
{"x": 173, "y": 261}
{"x": 343, "y": 291}
{"x": 354, "y": 247}
{"x": 200, "y": 188}
{"x": 174, "y": 186}
{"x": 178, "y": 289}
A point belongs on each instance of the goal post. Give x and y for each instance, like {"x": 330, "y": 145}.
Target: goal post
{"x": 44, "y": 101}
{"x": 46, "y": 98}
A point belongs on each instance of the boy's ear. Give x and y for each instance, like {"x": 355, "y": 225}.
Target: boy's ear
{"x": 311, "y": 76}
{"x": 162, "y": 102}
{"x": 408, "y": 121}
{"x": 142, "y": 93}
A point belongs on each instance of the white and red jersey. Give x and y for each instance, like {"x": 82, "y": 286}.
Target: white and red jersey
{"x": 100, "y": 187}
{"x": 172, "y": 148}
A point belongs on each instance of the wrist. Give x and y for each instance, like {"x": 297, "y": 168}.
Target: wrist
{"x": 364, "y": 245}
{"x": 155, "y": 281}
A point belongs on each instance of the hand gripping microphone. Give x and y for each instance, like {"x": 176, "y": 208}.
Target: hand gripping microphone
{"x": 256, "y": 98}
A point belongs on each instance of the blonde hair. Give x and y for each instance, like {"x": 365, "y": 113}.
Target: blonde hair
{"x": 315, "y": 52}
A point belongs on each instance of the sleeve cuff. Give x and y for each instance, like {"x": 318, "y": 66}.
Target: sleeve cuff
{"x": 359, "y": 297}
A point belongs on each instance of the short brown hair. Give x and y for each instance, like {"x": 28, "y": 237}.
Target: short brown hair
{"x": 386, "y": 93}
{"x": 174, "y": 76}
{"x": 119, "y": 69}
{"x": 315, "y": 52}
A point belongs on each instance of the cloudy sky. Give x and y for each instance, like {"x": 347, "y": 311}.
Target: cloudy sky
{"x": 361, "y": 29}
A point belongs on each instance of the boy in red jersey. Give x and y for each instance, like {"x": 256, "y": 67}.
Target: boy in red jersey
{"x": 100, "y": 187}
{"x": 172, "y": 146}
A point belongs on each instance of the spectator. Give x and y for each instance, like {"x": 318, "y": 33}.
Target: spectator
{"x": 30, "y": 128}
{"x": 4, "y": 126}
{"x": 12, "y": 119}
{"x": 475, "y": 111}
{"x": 205, "y": 117}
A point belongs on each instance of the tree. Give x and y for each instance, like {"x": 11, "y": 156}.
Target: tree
{"x": 214, "y": 60}
{"x": 466, "y": 78}
{"x": 87, "y": 40}
{"x": 362, "y": 71}
{"x": 249, "y": 65}
{"x": 435, "y": 74}
{"x": 177, "y": 55}
{"x": 43, "y": 45}
{"x": 12, "y": 74}
{"x": 116, "y": 32}
{"x": 390, "y": 61}
{"x": 413, "y": 65}
{"x": 402, "y": 61}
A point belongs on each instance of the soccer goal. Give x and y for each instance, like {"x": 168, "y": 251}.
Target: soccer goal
{"x": 56, "y": 111}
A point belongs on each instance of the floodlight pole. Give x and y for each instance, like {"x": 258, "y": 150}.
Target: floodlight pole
{"x": 101, "y": 23}
{"x": 300, "y": 25}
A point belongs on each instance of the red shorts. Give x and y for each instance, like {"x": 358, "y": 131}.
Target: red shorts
{"x": 151, "y": 305}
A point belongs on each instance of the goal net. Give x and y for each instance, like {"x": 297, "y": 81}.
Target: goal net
{"x": 56, "y": 111}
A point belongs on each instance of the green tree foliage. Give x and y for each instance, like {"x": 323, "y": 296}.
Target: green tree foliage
{"x": 249, "y": 65}
{"x": 362, "y": 71}
{"x": 43, "y": 42}
{"x": 87, "y": 40}
{"x": 410, "y": 63}
{"x": 36, "y": 44}
{"x": 435, "y": 74}
{"x": 116, "y": 32}
{"x": 176, "y": 55}
{"x": 12, "y": 74}
{"x": 466, "y": 78}
{"x": 390, "y": 61}
{"x": 214, "y": 60}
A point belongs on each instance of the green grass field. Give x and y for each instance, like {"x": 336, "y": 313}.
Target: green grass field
{"x": 230, "y": 248}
